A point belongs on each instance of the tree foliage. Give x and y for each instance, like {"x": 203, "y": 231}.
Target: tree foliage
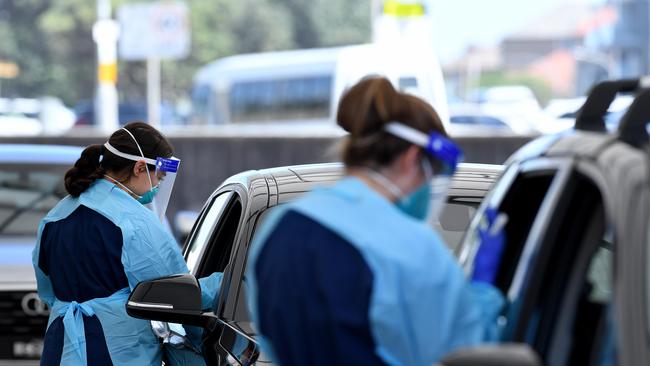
{"x": 51, "y": 41}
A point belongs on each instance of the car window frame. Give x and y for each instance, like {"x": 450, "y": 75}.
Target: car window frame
{"x": 199, "y": 224}
{"x": 239, "y": 193}
{"x": 538, "y": 231}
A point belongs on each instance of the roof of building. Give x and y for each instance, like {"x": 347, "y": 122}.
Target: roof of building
{"x": 574, "y": 20}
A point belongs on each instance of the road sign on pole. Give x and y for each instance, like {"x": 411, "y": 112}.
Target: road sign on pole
{"x": 403, "y": 21}
{"x": 154, "y": 32}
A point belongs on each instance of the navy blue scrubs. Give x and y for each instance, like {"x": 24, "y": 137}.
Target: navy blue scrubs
{"x": 82, "y": 256}
{"x": 321, "y": 272}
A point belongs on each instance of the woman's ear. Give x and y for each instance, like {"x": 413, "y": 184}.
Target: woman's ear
{"x": 409, "y": 161}
{"x": 140, "y": 167}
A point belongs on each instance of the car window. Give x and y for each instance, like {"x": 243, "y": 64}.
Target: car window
{"x": 521, "y": 201}
{"x": 200, "y": 239}
{"x": 453, "y": 222}
{"x": 239, "y": 348}
{"x": 27, "y": 193}
{"x": 219, "y": 249}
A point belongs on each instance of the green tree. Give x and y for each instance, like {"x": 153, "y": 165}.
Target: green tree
{"x": 51, "y": 41}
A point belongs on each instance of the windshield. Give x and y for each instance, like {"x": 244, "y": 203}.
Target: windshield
{"x": 27, "y": 193}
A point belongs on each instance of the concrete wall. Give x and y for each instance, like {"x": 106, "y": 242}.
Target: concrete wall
{"x": 208, "y": 160}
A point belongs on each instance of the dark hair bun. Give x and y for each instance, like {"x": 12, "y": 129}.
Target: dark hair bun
{"x": 85, "y": 171}
{"x": 367, "y": 106}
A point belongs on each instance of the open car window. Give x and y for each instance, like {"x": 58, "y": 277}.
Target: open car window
{"x": 200, "y": 240}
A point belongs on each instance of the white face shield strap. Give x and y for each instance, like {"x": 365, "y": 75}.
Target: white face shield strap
{"x": 166, "y": 170}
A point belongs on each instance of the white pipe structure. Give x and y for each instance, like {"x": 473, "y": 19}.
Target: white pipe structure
{"x": 105, "y": 34}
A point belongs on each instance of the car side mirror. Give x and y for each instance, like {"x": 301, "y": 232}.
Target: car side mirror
{"x": 493, "y": 355}
{"x": 174, "y": 299}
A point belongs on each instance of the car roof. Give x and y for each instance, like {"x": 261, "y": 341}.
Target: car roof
{"x": 472, "y": 180}
{"x": 39, "y": 154}
{"x": 623, "y": 166}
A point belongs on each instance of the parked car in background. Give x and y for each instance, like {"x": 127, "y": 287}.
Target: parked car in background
{"x": 514, "y": 103}
{"x": 28, "y": 117}
{"x": 127, "y": 112}
{"x": 470, "y": 118}
{"x": 31, "y": 183}
{"x": 221, "y": 237}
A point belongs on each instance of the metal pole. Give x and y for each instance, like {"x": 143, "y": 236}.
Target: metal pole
{"x": 105, "y": 34}
{"x": 153, "y": 91}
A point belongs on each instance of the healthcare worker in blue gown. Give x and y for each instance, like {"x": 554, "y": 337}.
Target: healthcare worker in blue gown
{"x": 352, "y": 274}
{"x": 99, "y": 242}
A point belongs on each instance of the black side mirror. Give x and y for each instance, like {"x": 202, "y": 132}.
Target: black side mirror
{"x": 175, "y": 299}
{"x": 493, "y": 355}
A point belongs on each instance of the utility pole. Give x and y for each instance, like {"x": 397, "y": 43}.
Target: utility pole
{"x": 105, "y": 34}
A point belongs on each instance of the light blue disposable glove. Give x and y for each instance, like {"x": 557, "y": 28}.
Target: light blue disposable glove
{"x": 493, "y": 240}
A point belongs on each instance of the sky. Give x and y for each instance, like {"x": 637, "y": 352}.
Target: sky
{"x": 461, "y": 23}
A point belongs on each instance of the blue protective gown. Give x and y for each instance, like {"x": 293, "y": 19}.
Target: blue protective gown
{"x": 342, "y": 277}
{"x": 91, "y": 251}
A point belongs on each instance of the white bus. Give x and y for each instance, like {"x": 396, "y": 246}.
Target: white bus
{"x": 305, "y": 85}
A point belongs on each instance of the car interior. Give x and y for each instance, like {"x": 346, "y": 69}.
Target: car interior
{"x": 568, "y": 283}
{"x": 521, "y": 204}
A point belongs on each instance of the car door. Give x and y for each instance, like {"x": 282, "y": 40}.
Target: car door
{"x": 219, "y": 244}
{"x": 557, "y": 264}
{"x": 211, "y": 248}
{"x": 527, "y": 192}
{"x": 565, "y": 307}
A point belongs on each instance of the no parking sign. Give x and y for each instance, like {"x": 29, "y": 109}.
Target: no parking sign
{"x": 154, "y": 30}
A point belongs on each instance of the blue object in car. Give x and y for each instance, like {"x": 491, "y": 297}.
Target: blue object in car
{"x": 492, "y": 242}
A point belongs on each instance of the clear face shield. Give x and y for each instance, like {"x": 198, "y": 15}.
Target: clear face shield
{"x": 166, "y": 170}
{"x": 157, "y": 198}
{"x": 442, "y": 150}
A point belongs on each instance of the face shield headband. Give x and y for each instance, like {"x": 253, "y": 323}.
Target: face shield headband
{"x": 166, "y": 170}
{"x": 432, "y": 197}
{"x": 435, "y": 144}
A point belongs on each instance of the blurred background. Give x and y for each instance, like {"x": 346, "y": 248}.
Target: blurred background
{"x": 249, "y": 84}
{"x": 506, "y": 63}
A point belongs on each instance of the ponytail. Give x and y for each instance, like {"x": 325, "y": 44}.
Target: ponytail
{"x": 366, "y": 108}
{"x": 85, "y": 171}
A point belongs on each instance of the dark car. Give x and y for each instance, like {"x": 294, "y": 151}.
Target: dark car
{"x": 222, "y": 234}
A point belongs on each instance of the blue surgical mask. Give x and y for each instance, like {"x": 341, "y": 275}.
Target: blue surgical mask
{"x": 417, "y": 203}
{"x": 147, "y": 198}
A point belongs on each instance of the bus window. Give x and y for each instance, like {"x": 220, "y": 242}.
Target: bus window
{"x": 408, "y": 83}
{"x": 200, "y": 96}
{"x": 280, "y": 99}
